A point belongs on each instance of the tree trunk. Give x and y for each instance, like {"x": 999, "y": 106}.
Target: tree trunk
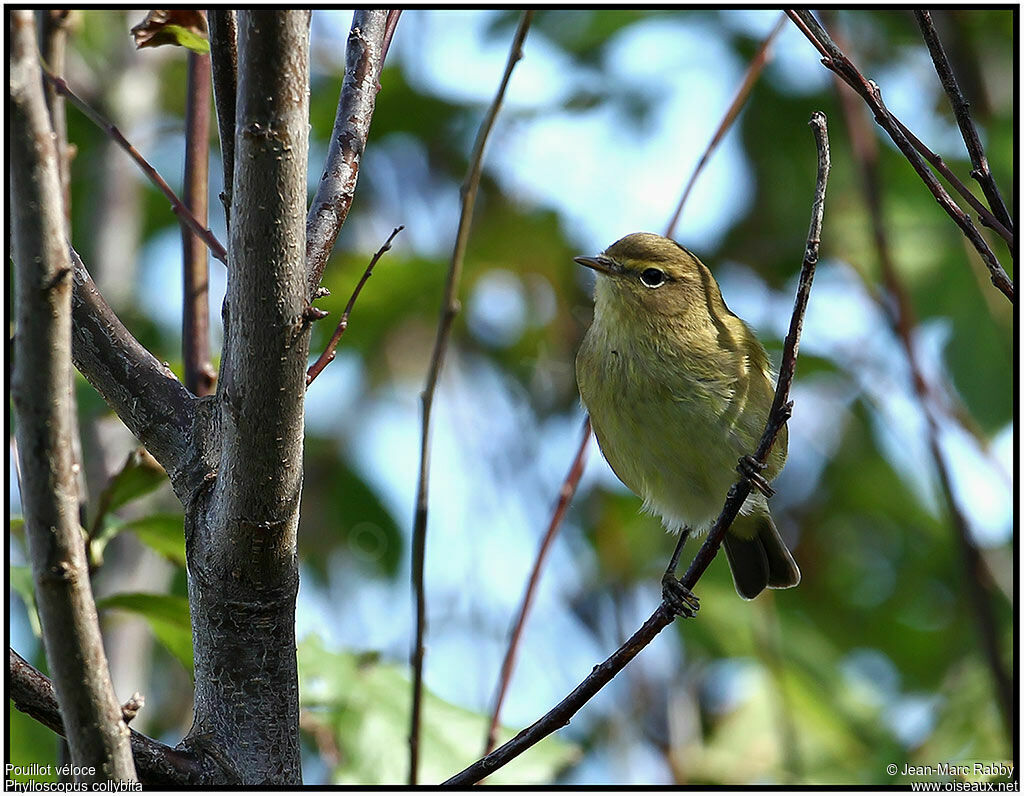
{"x": 241, "y": 521}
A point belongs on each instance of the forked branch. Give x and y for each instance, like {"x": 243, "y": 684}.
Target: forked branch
{"x": 837, "y": 61}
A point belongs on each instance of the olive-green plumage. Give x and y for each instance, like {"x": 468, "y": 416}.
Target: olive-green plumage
{"x": 678, "y": 389}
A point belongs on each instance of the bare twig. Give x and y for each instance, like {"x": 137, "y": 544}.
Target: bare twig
{"x": 902, "y": 317}
{"x": 389, "y": 33}
{"x": 984, "y": 214}
{"x": 962, "y": 111}
{"x": 865, "y": 151}
{"x": 32, "y": 693}
{"x": 364, "y": 58}
{"x": 40, "y": 389}
{"x": 835, "y": 60}
{"x": 663, "y": 616}
{"x": 754, "y": 70}
{"x": 223, "y": 28}
{"x": 184, "y": 216}
{"x": 195, "y": 333}
{"x": 449, "y": 309}
{"x": 328, "y": 355}
{"x": 572, "y": 480}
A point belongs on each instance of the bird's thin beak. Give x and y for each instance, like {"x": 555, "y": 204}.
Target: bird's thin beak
{"x": 604, "y": 265}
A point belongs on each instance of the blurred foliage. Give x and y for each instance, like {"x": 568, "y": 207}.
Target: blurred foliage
{"x": 874, "y": 659}
{"x": 362, "y": 704}
{"x": 166, "y": 614}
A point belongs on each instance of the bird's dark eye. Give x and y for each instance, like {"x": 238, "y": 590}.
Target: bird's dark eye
{"x": 653, "y": 277}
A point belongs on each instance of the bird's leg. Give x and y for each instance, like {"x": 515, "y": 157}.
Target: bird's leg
{"x": 750, "y": 468}
{"x": 679, "y": 598}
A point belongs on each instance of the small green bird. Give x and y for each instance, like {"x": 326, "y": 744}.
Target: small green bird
{"x": 678, "y": 389}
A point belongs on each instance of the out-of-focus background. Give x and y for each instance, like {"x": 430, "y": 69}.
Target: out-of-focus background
{"x": 875, "y": 659}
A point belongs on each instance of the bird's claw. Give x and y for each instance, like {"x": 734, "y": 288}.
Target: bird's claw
{"x": 750, "y": 468}
{"x": 680, "y": 599}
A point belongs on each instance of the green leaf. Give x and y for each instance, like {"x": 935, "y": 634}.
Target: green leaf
{"x": 139, "y": 475}
{"x": 167, "y": 615}
{"x": 21, "y": 582}
{"x": 364, "y": 705}
{"x": 163, "y": 533}
{"x": 179, "y": 27}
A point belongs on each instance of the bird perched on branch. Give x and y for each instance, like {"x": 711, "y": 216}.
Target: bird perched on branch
{"x": 678, "y": 389}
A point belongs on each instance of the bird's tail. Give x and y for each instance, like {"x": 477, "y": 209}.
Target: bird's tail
{"x": 758, "y": 557}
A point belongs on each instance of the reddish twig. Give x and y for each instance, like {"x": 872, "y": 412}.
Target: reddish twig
{"x": 754, "y": 70}
{"x": 180, "y": 210}
{"x": 328, "y": 355}
{"x": 565, "y": 494}
{"x": 835, "y": 60}
{"x": 389, "y": 32}
{"x": 449, "y": 309}
{"x": 663, "y": 615}
{"x": 195, "y": 332}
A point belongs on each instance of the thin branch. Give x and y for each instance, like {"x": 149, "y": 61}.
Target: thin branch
{"x": 902, "y": 317}
{"x": 327, "y": 356}
{"x": 144, "y": 393}
{"x": 195, "y": 333}
{"x": 157, "y": 764}
{"x": 449, "y": 309}
{"x": 182, "y": 212}
{"x": 984, "y": 214}
{"x": 663, "y": 616}
{"x": 53, "y": 36}
{"x": 224, "y": 61}
{"x": 754, "y": 70}
{"x": 835, "y": 60}
{"x": 865, "y": 151}
{"x": 389, "y": 32}
{"x": 364, "y": 58}
{"x": 40, "y": 389}
{"x": 962, "y": 111}
{"x": 565, "y": 494}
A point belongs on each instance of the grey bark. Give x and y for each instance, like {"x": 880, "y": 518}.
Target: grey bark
{"x": 364, "y": 58}
{"x": 146, "y": 395}
{"x": 96, "y": 735}
{"x": 224, "y": 63}
{"x": 241, "y": 529}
